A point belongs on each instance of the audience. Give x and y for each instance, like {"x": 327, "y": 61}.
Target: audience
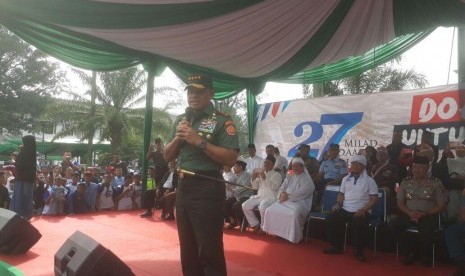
{"x": 420, "y": 200}
{"x": 281, "y": 164}
{"x": 124, "y": 194}
{"x": 357, "y": 195}
{"x": 331, "y": 172}
{"x": 155, "y": 155}
{"x": 267, "y": 183}
{"x": 76, "y": 201}
{"x": 456, "y": 171}
{"x": 385, "y": 175}
{"x": 399, "y": 153}
{"x": 118, "y": 164}
{"x": 253, "y": 161}
{"x": 90, "y": 192}
{"x": 284, "y": 207}
{"x": 3, "y": 192}
{"x": 455, "y": 237}
{"x": 105, "y": 194}
{"x": 286, "y": 217}
{"x": 233, "y": 204}
{"x": 55, "y": 198}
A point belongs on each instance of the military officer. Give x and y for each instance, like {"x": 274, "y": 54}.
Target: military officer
{"x": 420, "y": 199}
{"x": 203, "y": 140}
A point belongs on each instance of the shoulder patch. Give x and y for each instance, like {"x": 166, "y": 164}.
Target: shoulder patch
{"x": 231, "y": 129}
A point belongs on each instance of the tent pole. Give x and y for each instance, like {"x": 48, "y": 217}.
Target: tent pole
{"x": 461, "y": 66}
{"x": 461, "y": 55}
{"x": 251, "y": 103}
{"x": 148, "y": 122}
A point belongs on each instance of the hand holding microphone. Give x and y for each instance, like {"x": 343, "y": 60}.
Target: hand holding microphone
{"x": 185, "y": 132}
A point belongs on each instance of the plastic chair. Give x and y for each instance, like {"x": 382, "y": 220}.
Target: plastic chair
{"x": 327, "y": 202}
{"x": 414, "y": 229}
{"x": 378, "y": 215}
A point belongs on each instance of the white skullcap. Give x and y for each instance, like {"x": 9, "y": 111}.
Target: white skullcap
{"x": 358, "y": 158}
{"x": 298, "y": 160}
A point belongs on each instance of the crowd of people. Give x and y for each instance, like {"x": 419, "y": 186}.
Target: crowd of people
{"x": 421, "y": 187}
{"x": 275, "y": 197}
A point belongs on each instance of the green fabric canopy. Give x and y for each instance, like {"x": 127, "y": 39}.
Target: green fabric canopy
{"x": 94, "y": 35}
{"x": 242, "y": 44}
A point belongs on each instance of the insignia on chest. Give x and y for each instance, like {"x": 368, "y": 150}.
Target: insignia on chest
{"x": 207, "y": 125}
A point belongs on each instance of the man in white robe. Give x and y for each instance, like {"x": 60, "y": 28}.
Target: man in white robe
{"x": 286, "y": 217}
{"x": 267, "y": 183}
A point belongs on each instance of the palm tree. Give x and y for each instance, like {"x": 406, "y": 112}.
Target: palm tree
{"x": 111, "y": 112}
{"x": 382, "y": 78}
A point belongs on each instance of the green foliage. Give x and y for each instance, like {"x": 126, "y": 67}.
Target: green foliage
{"x": 382, "y": 78}
{"x": 236, "y": 107}
{"x": 27, "y": 79}
{"x": 114, "y": 117}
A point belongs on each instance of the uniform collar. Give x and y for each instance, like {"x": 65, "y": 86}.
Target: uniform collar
{"x": 209, "y": 110}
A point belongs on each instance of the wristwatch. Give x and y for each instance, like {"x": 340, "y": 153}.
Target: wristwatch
{"x": 202, "y": 145}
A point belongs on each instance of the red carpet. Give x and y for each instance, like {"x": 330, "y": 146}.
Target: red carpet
{"x": 150, "y": 247}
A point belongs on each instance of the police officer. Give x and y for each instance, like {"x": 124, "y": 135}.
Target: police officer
{"x": 203, "y": 140}
{"x": 331, "y": 172}
{"x": 420, "y": 199}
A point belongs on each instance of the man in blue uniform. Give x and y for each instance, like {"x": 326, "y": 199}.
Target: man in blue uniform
{"x": 203, "y": 140}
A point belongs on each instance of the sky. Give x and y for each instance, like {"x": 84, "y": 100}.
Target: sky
{"x": 433, "y": 57}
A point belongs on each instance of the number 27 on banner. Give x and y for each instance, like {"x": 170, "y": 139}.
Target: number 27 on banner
{"x": 346, "y": 121}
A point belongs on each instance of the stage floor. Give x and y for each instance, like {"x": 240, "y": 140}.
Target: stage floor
{"x": 150, "y": 247}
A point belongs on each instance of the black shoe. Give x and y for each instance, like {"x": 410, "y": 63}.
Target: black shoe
{"x": 146, "y": 214}
{"x": 360, "y": 256}
{"x": 332, "y": 250}
{"x": 409, "y": 259}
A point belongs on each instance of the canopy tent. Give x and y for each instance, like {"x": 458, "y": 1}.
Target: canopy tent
{"x": 52, "y": 149}
{"x": 242, "y": 44}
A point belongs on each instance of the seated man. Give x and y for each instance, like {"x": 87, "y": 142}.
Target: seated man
{"x": 167, "y": 203}
{"x": 420, "y": 199}
{"x": 455, "y": 237}
{"x": 286, "y": 217}
{"x": 267, "y": 183}
{"x": 331, "y": 172}
{"x": 233, "y": 204}
{"x": 456, "y": 169}
{"x": 385, "y": 175}
{"x": 152, "y": 197}
{"x": 357, "y": 195}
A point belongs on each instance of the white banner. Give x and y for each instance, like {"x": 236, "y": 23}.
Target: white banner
{"x": 357, "y": 121}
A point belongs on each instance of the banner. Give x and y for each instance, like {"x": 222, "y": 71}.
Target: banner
{"x": 357, "y": 121}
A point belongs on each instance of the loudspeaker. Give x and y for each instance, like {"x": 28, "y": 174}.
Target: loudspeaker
{"x": 81, "y": 255}
{"x": 16, "y": 234}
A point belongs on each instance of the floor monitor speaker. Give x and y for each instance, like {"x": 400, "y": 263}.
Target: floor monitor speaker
{"x": 81, "y": 255}
{"x": 17, "y": 235}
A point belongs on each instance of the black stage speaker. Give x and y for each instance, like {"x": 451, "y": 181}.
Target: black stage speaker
{"x": 17, "y": 235}
{"x": 81, "y": 255}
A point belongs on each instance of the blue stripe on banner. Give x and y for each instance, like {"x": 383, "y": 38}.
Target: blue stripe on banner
{"x": 266, "y": 109}
{"x": 285, "y": 104}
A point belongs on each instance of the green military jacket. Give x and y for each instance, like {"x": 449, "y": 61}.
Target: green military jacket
{"x": 214, "y": 127}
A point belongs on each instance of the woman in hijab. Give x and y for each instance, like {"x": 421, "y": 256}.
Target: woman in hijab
{"x": 22, "y": 200}
{"x": 286, "y": 217}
